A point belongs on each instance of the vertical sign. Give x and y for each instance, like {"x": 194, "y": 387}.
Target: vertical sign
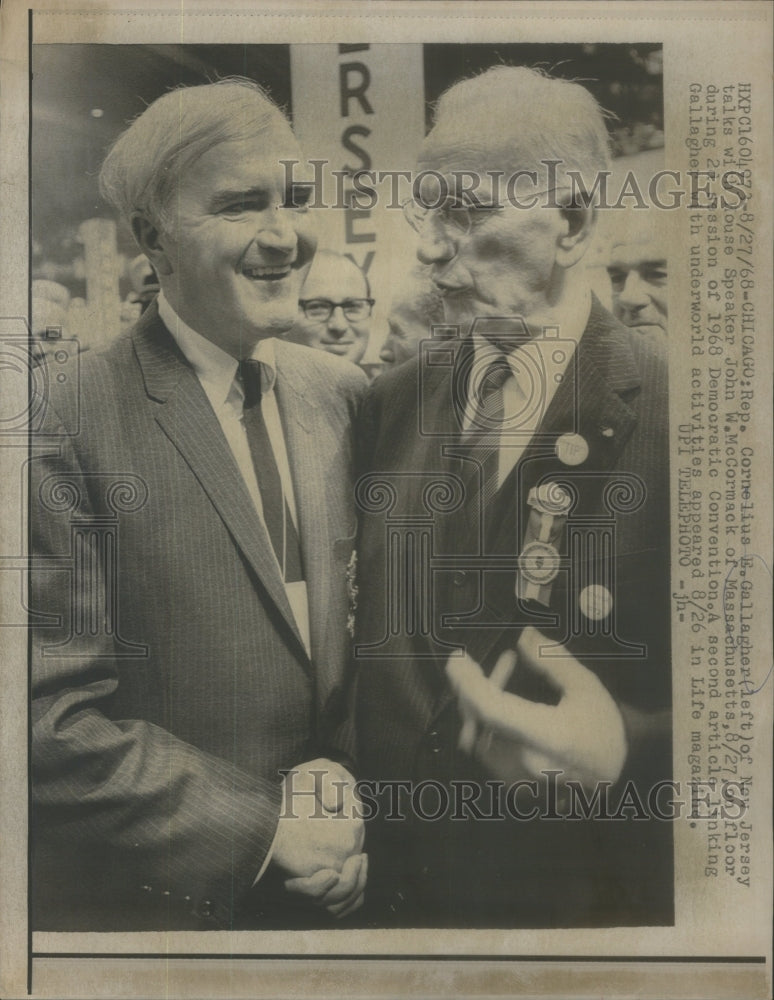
{"x": 361, "y": 107}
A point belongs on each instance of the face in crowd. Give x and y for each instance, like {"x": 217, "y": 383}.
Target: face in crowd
{"x": 486, "y": 255}
{"x": 334, "y": 309}
{"x": 638, "y": 275}
{"x": 414, "y": 310}
{"x": 230, "y": 243}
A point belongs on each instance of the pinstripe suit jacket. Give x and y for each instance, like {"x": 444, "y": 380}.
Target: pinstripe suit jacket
{"x": 170, "y": 684}
{"x": 508, "y": 873}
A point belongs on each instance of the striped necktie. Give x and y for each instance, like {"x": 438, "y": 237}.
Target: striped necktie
{"x": 483, "y": 438}
{"x": 276, "y": 512}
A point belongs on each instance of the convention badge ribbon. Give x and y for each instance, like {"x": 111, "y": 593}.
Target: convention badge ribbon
{"x": 539, "y": 560}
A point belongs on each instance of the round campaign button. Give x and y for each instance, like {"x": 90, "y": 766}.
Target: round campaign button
{"x": 539, "y": 563}
{"x": 596, "y": 602}
{"x": 572, "y": 449}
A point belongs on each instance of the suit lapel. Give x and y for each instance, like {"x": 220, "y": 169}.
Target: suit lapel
{"x": 186, "y": 417}
{"x": 433, "y": 449}
{"x": 299, "y": 416}
{"x": 591, "y": 402}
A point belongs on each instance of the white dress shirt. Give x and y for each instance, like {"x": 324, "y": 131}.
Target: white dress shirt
{"x": 216, "y": 370}
{"x": 537, "y": 369}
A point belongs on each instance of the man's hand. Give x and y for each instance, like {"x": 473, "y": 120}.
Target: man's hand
{"x": 583, "y": 736}
{"x": 340, "y": 893}
{"x": 320, "y": 836}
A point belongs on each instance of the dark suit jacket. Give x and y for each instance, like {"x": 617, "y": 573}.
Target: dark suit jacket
{"x": 170, "y": 685}
{"x": 436, "y": 574}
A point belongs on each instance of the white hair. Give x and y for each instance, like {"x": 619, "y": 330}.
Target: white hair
{"x": 141, "y": 171}
{"x": 539, "y": 118}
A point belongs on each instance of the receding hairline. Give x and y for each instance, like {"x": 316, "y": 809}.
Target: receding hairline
{"x": 333, "y": 257}
{"x": 174, "y": 131}
{"x": 506, "y": 78}
{"x": 515, "y": 126}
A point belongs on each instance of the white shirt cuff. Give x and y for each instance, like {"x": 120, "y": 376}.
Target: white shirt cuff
{"x": 267, "y": 859}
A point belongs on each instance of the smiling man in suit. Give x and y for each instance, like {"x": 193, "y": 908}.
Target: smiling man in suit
{"x": 513, "y": 621}
{"x": 192, "y": 524}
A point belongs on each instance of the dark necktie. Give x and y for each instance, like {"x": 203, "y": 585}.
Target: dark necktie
{"x": 276, "y": 513}
{"x": 483, "y": 438}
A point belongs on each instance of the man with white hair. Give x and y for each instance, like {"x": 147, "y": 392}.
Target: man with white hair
{"x": 191, "y": 530}
{"x": 512, "y": 658}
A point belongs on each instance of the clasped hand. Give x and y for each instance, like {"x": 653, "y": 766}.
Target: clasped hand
{"x": 582, "y": 736}
{"x": 320, "y": 837}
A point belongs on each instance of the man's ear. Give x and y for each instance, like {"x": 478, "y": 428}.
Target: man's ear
{"x": 579, "y": 225}
{"x": 151, "y": 242}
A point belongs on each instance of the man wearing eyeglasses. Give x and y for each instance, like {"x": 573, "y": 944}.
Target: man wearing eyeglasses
{"x": 192, "y": 523}
{"x": 335, "y": 308}
{"x": 512, "y": 642}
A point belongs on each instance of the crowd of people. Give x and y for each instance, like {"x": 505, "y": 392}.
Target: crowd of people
{"x": 314, "y": 652}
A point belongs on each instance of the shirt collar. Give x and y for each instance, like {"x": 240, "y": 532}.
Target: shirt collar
{"x": 568, "y": 323}
{"x": 214, "y": 367}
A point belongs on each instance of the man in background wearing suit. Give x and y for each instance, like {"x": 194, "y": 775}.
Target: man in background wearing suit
{"x": 192, "y": 524}
{"x": 513, "y": 619}
{"x": 335, "y": 308}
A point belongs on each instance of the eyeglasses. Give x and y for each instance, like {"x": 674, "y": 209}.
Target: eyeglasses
{"x": 321, "y": 310}
{"x": 460, "y": 216}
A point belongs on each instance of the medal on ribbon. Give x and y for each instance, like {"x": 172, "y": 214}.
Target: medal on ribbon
{"x": 539, "y": 560}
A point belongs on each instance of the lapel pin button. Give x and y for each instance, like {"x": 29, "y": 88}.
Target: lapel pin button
{"x": 595, "y": 602}
{"x": 572, "y": 449}
{"x": 607, "y": 432}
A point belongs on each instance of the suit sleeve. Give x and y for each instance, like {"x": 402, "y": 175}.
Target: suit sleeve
{"x": 170, "y": 818}
{"x": 339, "y": 739}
